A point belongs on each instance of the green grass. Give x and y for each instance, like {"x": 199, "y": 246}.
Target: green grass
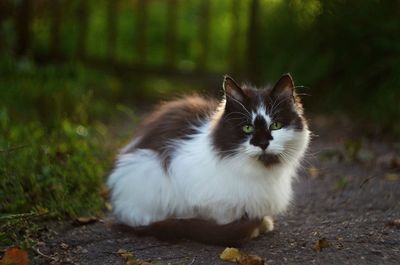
{"x": 55, "y": 143}
{"x": 59, "y": 169}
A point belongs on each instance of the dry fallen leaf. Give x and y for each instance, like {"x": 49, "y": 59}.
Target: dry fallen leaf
{"x": 83, "y": 220}
{"x": 394, "y": 223}
{"x": 230, "y": 254}
{"x": 313, "y": 172}
{"x": 124, "y": 253}
{"x": 392, "y": 177}
{"x": 64, "y": 245}
{"x": 15, "y": 256}
{"x": 130, "y": 259}
{"x": 321, "y": 244}
{"x": 250, "y": 260}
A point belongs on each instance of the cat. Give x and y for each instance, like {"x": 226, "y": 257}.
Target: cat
{"x": 213, "y": 171}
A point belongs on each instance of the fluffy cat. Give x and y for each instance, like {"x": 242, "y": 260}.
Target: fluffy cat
{"x": 213, "y": 171}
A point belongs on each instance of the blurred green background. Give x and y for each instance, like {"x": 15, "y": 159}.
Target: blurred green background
{"x": 76, "y": 75}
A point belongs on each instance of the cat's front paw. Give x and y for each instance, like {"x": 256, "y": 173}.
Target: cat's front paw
{"x": 267, "y": 225}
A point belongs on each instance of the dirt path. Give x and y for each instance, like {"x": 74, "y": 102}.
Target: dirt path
{"x": 350, "y": 197}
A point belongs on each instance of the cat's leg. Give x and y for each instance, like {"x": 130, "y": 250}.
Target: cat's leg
{"x": 266, "y": 225}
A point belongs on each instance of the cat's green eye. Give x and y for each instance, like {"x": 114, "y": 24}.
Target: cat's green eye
{"x": 275, "y": 125}
{"x": 248, "y": 129}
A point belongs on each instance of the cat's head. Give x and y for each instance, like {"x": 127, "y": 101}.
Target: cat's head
{"x": 266, "y": 124}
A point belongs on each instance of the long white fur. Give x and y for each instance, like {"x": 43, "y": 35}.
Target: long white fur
{"x": 201, "y": 184}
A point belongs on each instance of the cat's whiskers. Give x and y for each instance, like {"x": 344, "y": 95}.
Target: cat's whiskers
{"x": 272, "y": 108}
{"x": 229, "y": 152}
{"x": 236, "y": 112}
{"x": 276, "y": 105}
{"x": 271, "y": 104}
{"x": 239, "y": 103}
{"x": 231, "y": 119}
{"x": 292, "y": 157}
{"x": 306, "y": 156}
{"x": 283, "y": 158}
{"x": 276, "y": 113}
{"x": 291, "y": 149}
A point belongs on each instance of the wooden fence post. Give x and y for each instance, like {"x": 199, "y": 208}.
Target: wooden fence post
{"x": 171, "y": 33}
{"x": 3, "y": 14}
{"x": 253, "y": 62}
{"x": 83, "y": 29}
{"x": 204, "y": 26}
{"x": 111, "y": 28}
{"x": 234, "y": 59}
{"x": 141, "y": 29}
{"x": 22, "y": 24}
{"x": 55, "y": 7}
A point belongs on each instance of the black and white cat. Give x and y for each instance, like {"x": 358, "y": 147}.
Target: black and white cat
{"x": 215, "y": 163}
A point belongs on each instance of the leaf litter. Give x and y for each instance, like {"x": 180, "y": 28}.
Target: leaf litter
{"x": 15, "y": 256}
{"x": 129, "y": 258}
{"x": 234, "y": 255}
{"x": 321, "y": 244}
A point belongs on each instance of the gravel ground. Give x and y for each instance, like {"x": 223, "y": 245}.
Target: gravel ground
{"x": 348, "y": 194}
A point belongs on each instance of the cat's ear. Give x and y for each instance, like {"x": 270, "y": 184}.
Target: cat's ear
{"x": 232, "y": 90}
{"x": 284, "y": 87}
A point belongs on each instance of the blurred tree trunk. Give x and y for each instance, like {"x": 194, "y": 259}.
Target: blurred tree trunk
{"x": 4, "y": 12}
{"x": 141, "y": 29}
{"x": 83, "y": 28}
{"x": 234, "y": 38}
{"x": 55, "y": 7}
{"x": 253, "y": 61}
{"x": 172, "y": 22}
{"x": 22, "y": 24}
{"x": 111, "y": 28}
{"x": 204, "y": 24}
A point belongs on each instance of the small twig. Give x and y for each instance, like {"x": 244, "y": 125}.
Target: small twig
{"x": 192, "y": 261}
{"x": 44, "y": 255}
{"x": 366, "y": 181}
{"x": 13, "y": 148}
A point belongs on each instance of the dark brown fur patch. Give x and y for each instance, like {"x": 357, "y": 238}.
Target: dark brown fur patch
{"x": 232, "y": 234}
{"x": 175, "y": 120}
